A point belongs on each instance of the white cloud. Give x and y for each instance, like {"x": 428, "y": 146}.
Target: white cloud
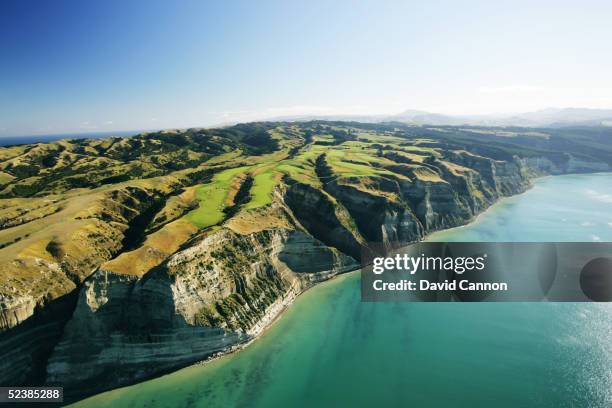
{"x": 296, "y": 110}
{"x": 86, "y": 125}
{"x": 586, "y": 224}
{"x": 510, "y": 89}
{"x": 595, "y": 238}
{"x": 299, "y": 110}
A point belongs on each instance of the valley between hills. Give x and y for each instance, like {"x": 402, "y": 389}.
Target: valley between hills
{"x": 128, "y": 257}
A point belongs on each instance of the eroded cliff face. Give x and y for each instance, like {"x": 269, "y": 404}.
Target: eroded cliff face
{"x": 378, "y": 217}
{"x": 105, "y": 287}
{"x": 449, "y": 194}
{"x": 208, "y": 298}
{"x": 44, "y": 276}
{"x": 324, "y": 218}
{"x": 570, "y": 164}
{"x": 224, "y": 288}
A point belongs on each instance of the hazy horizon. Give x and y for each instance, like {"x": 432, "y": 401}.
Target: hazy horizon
{"x": 71, "y": 67}
{"x": 380, "y": 117}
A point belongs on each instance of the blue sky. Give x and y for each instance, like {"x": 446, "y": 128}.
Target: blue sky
{"x": 93, "y": 66}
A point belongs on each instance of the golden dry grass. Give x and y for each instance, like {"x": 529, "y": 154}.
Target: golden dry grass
{"x": 156, "y": 248}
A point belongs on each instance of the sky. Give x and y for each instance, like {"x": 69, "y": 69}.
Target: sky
{"x": 98, "y": 66}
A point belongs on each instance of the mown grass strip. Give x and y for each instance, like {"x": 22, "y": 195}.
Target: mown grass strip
{"x": 211, "y": 199}
{"x": 263, "y": 185}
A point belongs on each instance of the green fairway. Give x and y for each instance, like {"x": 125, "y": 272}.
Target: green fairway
{"x": 261, "y": 192}
{"x": 211, "y": 197}
{"x": 354, "y": 158}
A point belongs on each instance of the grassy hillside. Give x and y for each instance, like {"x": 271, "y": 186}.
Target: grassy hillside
{"x": 70, "y": 205}
{"x": 213, "y": 226}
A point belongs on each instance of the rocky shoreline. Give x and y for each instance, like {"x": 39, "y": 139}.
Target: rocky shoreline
{"x": 125, "y": 314}
{"x": 276, "y": 311}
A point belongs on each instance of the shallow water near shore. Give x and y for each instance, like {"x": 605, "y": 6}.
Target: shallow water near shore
{"x": 329, "y": 349}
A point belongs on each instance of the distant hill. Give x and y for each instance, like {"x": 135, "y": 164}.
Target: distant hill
{"x": 550, "y": 117}
{"x": 562, "y": 117}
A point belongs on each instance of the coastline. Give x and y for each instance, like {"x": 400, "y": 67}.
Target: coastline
{"x": 275, "y": 314}
{"x": 266, "y": 368}
{"x": 475, "y": 219}
{"x": 287, "y": 303}
{"x": 501, "y": 201}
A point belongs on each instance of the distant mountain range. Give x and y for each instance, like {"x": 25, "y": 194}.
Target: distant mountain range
{"x": 551, "y": 117}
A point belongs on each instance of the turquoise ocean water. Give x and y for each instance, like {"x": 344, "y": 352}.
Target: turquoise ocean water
{"x": 329, "y": 349}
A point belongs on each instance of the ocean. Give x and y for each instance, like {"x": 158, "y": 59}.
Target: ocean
{"x": 329, "y": 349}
